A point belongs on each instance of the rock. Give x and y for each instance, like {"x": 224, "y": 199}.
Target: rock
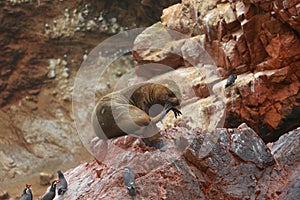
{"x": 250, "y": 93}
{"x": 254, "y": 153}
{"x": 286, "y": 153}
{"x": 179, "y": 18}
{"x": 224, "y": 163}
{"x": 2, "y": 84}
{"x": 156, "y": 45}
{"x": 241, "y": 39}
{"x": 34, "y": 91}
{"x": 51, "y": 74}
{"x": 193, "y": 52}
{"x": 286, "y": 149}
{"x": 4, "y": 195}
{"x": 288, "y": 11}
{"x": 45, "y": 178}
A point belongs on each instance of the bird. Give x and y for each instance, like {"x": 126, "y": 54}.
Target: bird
{"x": 27, "y": 194}
{"x": 129, "y": 181}
{"x": 54, "y": 23}
{"x": 85, "y": 54}
{"x": 62, "y": 186}
{"x": 51, "y": 192}
{"x": 47, "y": 26}
{"x": 230, "y": 80}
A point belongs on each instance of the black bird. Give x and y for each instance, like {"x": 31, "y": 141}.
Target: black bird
{"x": 230, "y": 80}
{"x": 62, "y": 186}
{"x": 27, "y": 194}
{"x": 51, "y": 193}
{"x": 129, "y": 181}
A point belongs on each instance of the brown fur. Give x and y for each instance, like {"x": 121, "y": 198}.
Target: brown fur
{"x": 127, "y": 111}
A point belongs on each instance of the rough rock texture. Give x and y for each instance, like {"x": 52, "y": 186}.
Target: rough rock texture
{"x": 257, "y": 40}
{"x": 220, "y": 164}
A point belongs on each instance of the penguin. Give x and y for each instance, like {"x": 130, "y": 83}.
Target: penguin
{"x": 231, "y": 79}
{"x": 54, "y": 23}
{"x": 64, "y": 61}
{"x": 67, "y": 12}
{"x": 27, "y": 194}
{"x": 51, "y": 192}
{"x": 100, "y": 18}
{"x": 47, "y": 26}
{"x": 129, "y": 181}
{"x": 62, "y": 186}
{"x": 85, "y": 55}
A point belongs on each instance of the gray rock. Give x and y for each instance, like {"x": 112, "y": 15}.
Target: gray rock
{"x": 45, "y": 178}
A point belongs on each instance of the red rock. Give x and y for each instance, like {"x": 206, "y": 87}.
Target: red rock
{"x": 261, "y": 43}
{"x": 227, "y": 164}
{"x": 4, "y": 195}
{"x": 288, "y": 11}
{"x": 272, "y": 117}
{"x": 280, "y": 75}
{"x": 2, "y": 84}
{"x": 251, "y": 31}
{"x": 201, "y": 90}
{"x": 284, "y": 46}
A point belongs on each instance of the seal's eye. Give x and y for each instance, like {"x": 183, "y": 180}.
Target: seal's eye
{"x": 173, "y": 100}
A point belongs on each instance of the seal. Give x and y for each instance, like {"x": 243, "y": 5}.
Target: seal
{"x": 136, "y": 110}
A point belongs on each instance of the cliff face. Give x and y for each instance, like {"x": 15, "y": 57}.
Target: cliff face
{"x": 206, "y": 41}
{"x": 257, "y": 40}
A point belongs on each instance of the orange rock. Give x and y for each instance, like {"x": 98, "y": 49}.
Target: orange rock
{"x": 272, "y": 118}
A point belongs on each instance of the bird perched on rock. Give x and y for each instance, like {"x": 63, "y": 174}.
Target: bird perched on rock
{"x": 27, "y": 194}
{"x": 129, "y": 181}
{"x": 51, "y": 193}
{"x": 230, "y": 80}
{"x": 62, "y": 186}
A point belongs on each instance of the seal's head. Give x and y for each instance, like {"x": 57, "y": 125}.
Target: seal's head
{"x": 168, "y": 93}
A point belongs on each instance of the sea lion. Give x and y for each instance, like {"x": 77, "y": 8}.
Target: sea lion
{"x": 136, "y": 110}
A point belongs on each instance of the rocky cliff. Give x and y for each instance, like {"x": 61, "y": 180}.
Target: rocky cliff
{"x": 206, "y": 41}
{"x": 257, "y": 40}
{"x": 44, "y": 43}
